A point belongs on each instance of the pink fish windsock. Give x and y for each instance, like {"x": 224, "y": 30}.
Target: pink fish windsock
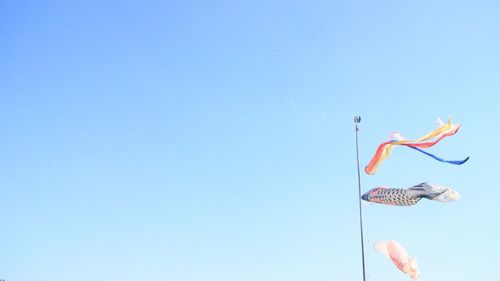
{"x": 399, "y": 257}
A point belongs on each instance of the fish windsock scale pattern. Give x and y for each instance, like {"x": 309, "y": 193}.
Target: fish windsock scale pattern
{"x": 410, "y": 196}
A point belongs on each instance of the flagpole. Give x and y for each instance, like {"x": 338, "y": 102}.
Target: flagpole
{"x": 357, "y": 120}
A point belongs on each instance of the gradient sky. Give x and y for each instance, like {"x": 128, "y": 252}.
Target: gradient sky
{"x": 214, "y": 141}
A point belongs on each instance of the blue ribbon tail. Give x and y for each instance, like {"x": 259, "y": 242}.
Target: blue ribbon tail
{"x": 454, "y": 162}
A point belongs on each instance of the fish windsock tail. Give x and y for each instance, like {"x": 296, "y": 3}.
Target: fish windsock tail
{"x": 447, "y": 195}
{"x": 435, "y": 192}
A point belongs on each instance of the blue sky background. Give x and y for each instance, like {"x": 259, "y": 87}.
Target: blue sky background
{"x": 213, "y": 140}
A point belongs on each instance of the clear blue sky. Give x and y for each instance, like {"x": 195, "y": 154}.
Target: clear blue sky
{"x": 213, "y": 140}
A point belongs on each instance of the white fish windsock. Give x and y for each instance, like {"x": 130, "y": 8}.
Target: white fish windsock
{"x": 399, "y": 257}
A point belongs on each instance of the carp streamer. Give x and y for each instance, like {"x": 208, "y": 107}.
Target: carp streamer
{"x": 384, "y": 149}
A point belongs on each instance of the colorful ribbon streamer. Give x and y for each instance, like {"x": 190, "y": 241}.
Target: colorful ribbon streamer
{"x": 384, "y": 149}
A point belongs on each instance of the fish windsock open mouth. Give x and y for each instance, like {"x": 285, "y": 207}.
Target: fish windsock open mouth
{"x": 365, "y": 197}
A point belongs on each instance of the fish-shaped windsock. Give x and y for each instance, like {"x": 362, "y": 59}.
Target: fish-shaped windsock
{"x": 399, "y": 257}
{"x": 411, "y": 196}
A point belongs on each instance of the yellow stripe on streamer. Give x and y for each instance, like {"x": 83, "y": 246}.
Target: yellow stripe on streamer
{"x": 385, "y": 149}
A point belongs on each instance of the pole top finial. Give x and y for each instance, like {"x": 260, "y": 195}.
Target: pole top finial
{"x": 357, "y": 119}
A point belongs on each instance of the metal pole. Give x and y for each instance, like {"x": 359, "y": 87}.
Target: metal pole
{"x": 357, "y": 120}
